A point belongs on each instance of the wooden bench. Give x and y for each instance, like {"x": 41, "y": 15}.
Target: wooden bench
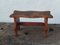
{"x": 31, "y": 14}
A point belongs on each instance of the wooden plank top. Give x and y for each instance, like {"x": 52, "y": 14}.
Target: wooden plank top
{"x": 31, "y": 14}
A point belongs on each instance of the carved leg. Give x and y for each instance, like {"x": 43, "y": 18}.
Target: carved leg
{"x": 46, "y": 27}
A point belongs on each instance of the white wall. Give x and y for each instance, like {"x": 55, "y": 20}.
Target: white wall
{"x": 8, "y": 6}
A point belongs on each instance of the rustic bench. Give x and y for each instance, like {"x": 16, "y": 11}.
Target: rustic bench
{"x": 31, "y": 14}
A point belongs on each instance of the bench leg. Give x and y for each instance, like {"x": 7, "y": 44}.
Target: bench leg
{"x": 15, "y": 26}
{"x": 18, "y": 25}
{"x": 46, "y": 27}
